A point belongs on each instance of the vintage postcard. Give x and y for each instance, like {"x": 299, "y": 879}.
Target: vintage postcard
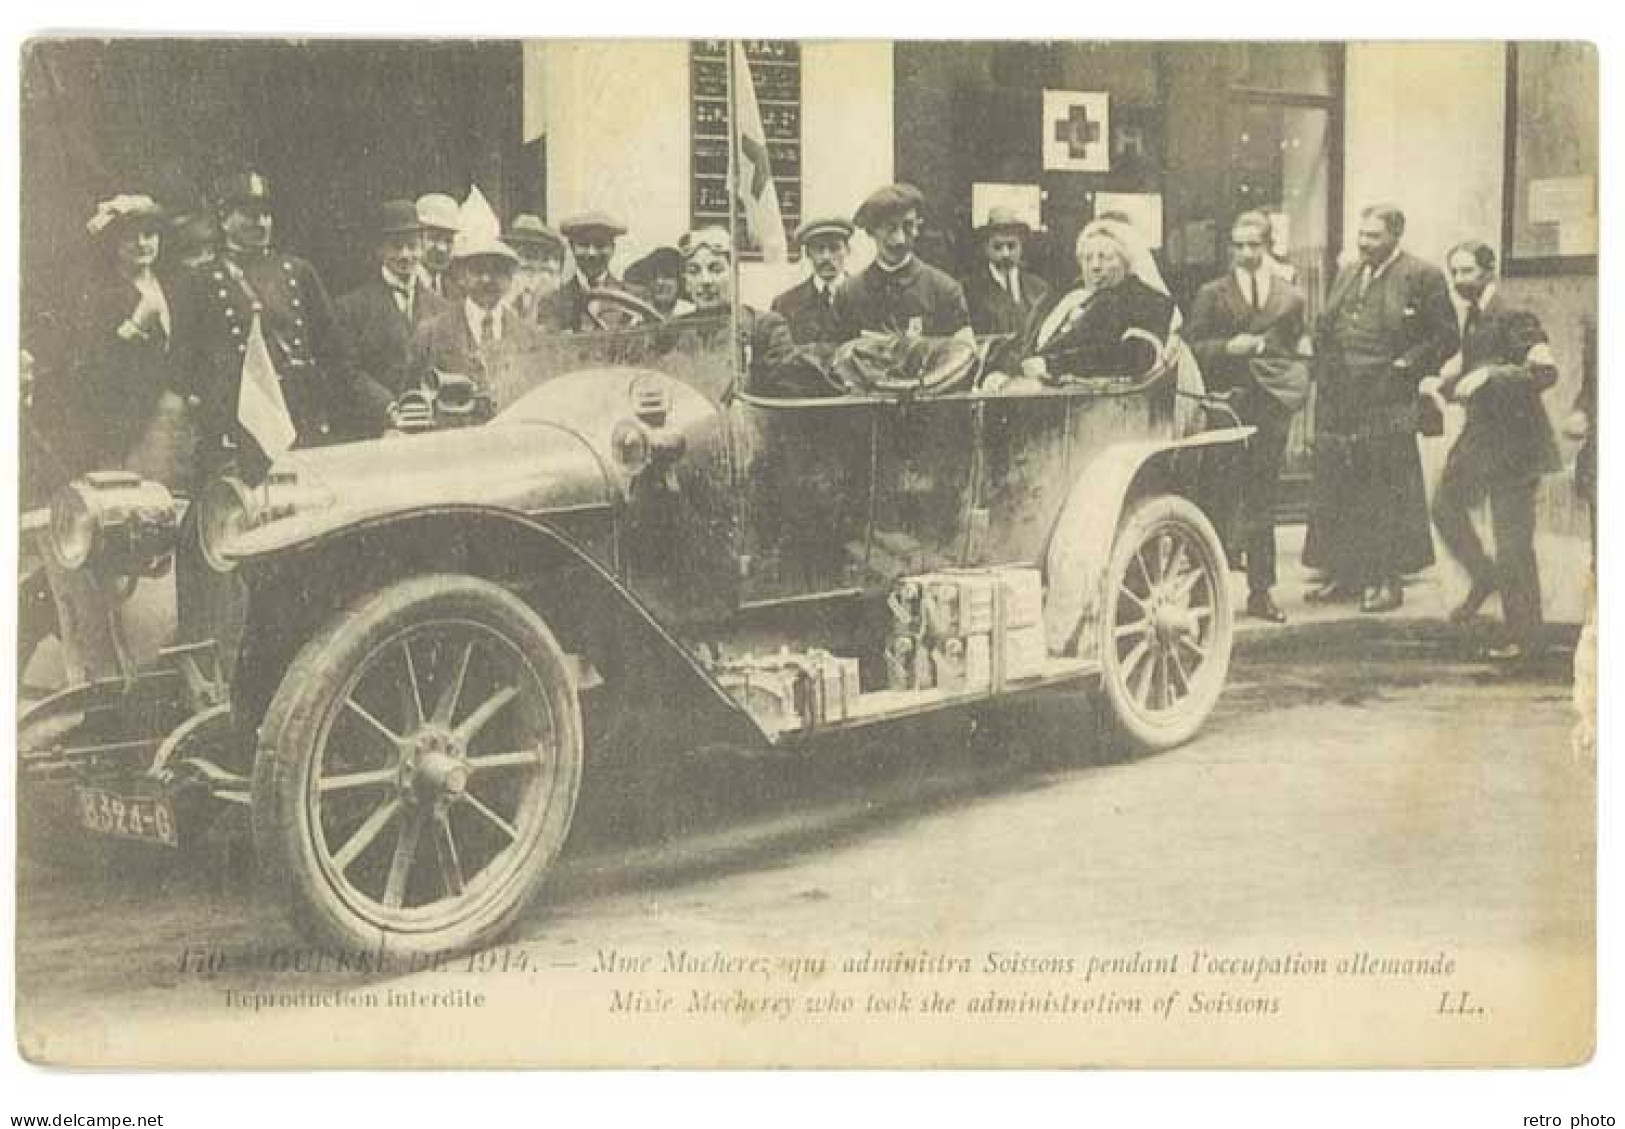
{"x": 807, "y": 553}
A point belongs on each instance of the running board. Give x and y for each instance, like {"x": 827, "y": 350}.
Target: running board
{"x": 894, "y": 705}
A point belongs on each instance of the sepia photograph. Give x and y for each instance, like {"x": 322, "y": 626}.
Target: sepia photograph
{"x": 736, "y": 553}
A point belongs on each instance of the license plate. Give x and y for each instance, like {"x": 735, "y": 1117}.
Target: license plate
{"x": 148, "y": 819}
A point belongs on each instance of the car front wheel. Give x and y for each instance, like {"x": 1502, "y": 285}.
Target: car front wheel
{"x": 418, "y": 768}
{"x": 1167, "y": 623}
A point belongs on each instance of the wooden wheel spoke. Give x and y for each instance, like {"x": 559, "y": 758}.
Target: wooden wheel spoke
{"x": 412, "y": 692}
{"x": 491, "y": 817}
{"x": 366, "y": 834}
{"x": 400, "y": 864}
{"x": 1145, "y": 571}
{"x": 1189, "y": 641}
{"x": 524, "y": 758}
{"x": 1177, "y": 667}
{"x": 483, "y": 713}
{"x": 1137, "y": 627}
{"x": 1142, "y": 679}
{"x": 445, "y": 849}
{"x": 369, "y": 779}
{"x": 446, "y": 708}
{"x": 379, "y": 727}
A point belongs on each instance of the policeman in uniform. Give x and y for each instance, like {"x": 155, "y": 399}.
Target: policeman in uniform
{"x": 809, "y": 306}
{"x": 218, "y": 303}
{"x": 898, "y": 293}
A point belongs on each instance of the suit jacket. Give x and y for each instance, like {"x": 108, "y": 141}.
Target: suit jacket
{"x": 446, "y": 343}
{"x": 1222, "y": 311}
{"x": 1507, "y": 433}
{"x": 1411, "y": 317}
{"x": 993, "y": 311}
{"x": 378, "y": 339}
{"x": 811, "y": 319}
{"x": 565, "y": 310}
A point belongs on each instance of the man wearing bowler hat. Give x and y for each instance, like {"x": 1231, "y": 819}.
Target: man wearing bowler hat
{"x": 1002, "y": 294}
{"x": 898, "y": 293}
{"x": 379, "y": 318}
{"x": 541, "y": 263}
{"x": 809, "y": 306}
{"x": 592, "y": 237}
{"x": 217, "y": 305}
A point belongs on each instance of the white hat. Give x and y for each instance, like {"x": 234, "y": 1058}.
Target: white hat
{"x": 438, "y": 210}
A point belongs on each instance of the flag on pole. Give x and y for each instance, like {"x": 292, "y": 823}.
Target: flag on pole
{"x": 260, "y": 407}
{"x": 752, "y": 172}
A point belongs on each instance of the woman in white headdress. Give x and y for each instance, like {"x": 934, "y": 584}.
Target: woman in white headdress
{"x": 1115, "y": 320}
{"x": 1118, "y": 319}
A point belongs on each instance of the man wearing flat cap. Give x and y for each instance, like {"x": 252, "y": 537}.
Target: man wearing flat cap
{"x": 380, "y": 317}
{"x": 481, "y": 333}
{"x": 592, "y": 237}
{"x": 898, "y": 293}
{"x": 809, "y": 306}
{"x": 541, "y": 263}
{"x": 216, "y": 307}
{"x": 437, "y": 213}
{"x": 1002, "y": 294}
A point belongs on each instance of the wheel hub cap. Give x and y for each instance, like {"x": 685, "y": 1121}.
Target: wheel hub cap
{"x": 433, "y": 769}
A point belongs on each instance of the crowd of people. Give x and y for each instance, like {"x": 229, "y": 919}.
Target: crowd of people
{"x": 160, "y": 335}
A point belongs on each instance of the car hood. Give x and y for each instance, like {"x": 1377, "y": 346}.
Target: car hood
{"x": 530, "y": 466}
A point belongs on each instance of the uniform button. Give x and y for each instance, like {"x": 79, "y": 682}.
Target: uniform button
{"x": 297, "y": 342}
{"x": 241, "y": 347}
{"x": 299, "y": 322}
{"x": 296, "y": 303}
{"x": 236, "y": 331}
{"x": 222, "y": 293}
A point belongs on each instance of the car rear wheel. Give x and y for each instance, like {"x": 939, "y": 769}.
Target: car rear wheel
{"x": 418, "y": 768}
{"x": 1167, "y": 623}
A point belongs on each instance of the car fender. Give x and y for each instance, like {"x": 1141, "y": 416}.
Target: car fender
{"x": 1080, "y": 543}
{"x": 293, "y": 590}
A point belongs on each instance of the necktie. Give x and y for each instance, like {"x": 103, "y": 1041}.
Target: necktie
{"x": 488, "y": 329}
{"x": 1365, "y": 281}
{"x": 1252, "y": 290}
{"x": 403, "y": 300}
{"x": 1012, "y": 286}
{"x": 1469, "y": 323}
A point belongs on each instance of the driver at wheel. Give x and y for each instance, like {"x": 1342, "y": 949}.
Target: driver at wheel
{"x": 766, "y": 348}
{"x": 592, "y": 237}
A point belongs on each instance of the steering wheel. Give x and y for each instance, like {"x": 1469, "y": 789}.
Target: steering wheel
{"x": 610, "y": 310}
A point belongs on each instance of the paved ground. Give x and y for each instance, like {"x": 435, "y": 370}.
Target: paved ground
{"x": 1360, "y": 782}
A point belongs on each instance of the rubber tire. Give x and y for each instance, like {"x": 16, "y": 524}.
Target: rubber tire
{"x": 1126, "y": 721}
{"x": 294, "y": 721}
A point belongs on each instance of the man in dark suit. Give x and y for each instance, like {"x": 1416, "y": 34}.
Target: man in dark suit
{"x": 1387, "y": 325}
{"x": 1245, "y": 332}
{"x": 809, "y": 306}
{"x": 1504, "y": 448}
{"x": 480, "y": 336}
{"x": 379, "y": 317}
{"x": 898, "y": 293}
{"x": 1003, "y": 294}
